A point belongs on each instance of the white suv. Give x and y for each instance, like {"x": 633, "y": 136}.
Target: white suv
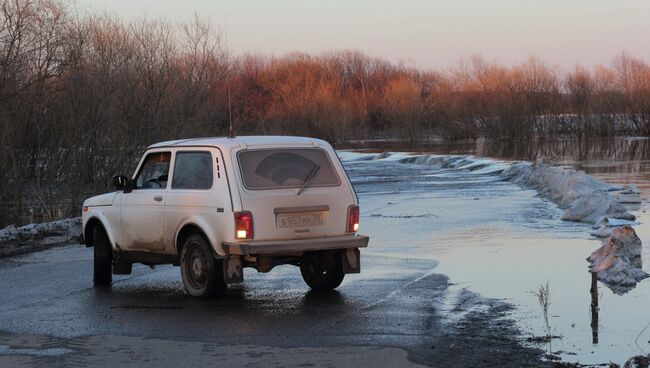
{"x": 216, "y": 205}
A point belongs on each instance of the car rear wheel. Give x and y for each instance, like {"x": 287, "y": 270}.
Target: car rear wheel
{"x": 202, "y": 274}
{"x": 322, "y": 272}
{"x": 103, "y": 258}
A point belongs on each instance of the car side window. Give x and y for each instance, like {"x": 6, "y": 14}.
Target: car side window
{"x": 154, "y": 171}
{"x": 192, "y": 170}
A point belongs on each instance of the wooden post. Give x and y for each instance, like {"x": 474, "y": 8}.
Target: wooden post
{"x": 594, "y": 307}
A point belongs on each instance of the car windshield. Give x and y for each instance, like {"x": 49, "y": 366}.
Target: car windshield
{"x": 154, "y": 171}
{"x": 286, "y": 168}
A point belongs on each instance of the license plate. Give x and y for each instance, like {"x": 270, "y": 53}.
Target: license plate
{"x": 300, "y": 219}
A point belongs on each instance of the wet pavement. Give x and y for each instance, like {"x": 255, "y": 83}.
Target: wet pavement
{"x": 397, "y": 312}
{"x": 447, "y": 281}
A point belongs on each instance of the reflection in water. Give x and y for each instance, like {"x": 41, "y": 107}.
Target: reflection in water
{"x": 320, "y": 299}
{"x": 594, "y": 308}
{"x": 613, "y": 149}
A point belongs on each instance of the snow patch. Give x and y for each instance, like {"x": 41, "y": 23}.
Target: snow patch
{"x": 68, "y": 227}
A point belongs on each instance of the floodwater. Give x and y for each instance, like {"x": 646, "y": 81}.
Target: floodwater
{"x": 503, "y": 241}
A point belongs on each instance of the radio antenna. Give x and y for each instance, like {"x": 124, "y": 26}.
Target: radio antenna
{"x": 231, "y": 130}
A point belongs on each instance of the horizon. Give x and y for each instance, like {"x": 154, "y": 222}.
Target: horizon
{"x": 419, "y": 34}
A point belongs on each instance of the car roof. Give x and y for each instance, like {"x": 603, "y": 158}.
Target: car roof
{"x": 242, "y": 141}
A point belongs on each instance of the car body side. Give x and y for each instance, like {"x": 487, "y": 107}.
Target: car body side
{"x": 208, "y": 211}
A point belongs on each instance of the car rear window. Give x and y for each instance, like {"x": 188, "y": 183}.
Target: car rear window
{"x": 286, "y": 168}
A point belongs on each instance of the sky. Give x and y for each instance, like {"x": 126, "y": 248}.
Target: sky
{"x": 432, "y": 34}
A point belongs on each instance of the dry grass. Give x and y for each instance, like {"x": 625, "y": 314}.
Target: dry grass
{"x": 543, "y": 295}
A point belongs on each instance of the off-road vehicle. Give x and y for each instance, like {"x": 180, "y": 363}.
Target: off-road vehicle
{"x": 216, "y": 205}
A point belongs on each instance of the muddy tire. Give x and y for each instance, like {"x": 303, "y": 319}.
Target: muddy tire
{"x": 103, "y": 258}
{"x": 202, "y": 274}
{"x": 323, "y": 272}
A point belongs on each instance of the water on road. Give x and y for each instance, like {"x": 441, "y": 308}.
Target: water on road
{"x": 447, "y": 243}
{"x": 502, "y": 241}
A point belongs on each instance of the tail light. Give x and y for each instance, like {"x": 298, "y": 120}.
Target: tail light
{"x": 353, "y": 219}
{"x": 243, "y": 225}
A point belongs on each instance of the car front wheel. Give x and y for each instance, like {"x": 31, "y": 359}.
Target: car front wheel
{"x": 202, "y": 274}
{"x": 322, "y": 273}
{"x": 103, "y": 258}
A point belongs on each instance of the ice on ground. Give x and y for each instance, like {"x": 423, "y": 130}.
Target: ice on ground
{"x": 467, "y": 163}
{"x": 603, "y": 228}
{"x": 631, "y": 194}
{"x": 614, "y": 222}
{"x": 593, "y": 208}
{"x": 617, "y": 262}
{"x": 352, "y": 156}
{"x": 68, "y": 227}
{"x": 583, "y": 197}
{"x": 602, "y": 232}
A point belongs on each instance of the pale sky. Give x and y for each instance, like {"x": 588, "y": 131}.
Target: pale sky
{"x": 428, "y": 34}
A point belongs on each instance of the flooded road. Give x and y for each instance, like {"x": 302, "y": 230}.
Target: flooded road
{"x": 501, "y": 241}
{"x": 398, "y": 312}
{"x": 452, "y": 250}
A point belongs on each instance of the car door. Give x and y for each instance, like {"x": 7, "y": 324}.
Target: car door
{"x": 142, "y": 209}
{"x": 190, "y": 194}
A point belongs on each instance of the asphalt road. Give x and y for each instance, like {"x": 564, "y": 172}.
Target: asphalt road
{"x": 396, "y": 313}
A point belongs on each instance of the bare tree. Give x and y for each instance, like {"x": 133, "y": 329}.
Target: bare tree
{"x": 81, "y": 97}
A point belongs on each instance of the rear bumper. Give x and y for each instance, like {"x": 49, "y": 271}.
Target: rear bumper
{"x": 299, "y": 245}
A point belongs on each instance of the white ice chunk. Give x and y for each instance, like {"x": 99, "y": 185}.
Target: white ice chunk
{"x": 602, "y": 232}
{"x": 615, "y": 222}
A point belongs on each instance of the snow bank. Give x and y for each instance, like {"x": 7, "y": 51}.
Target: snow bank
{"x": 583, "y": 197}
{"x": 352, "y": 156}
{"x": 618, "y": 261}
{"x": 469, "y": 163}
{"x": 70, "y": 228}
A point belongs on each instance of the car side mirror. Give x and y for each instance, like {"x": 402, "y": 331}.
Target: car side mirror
{"x": 120, "y": 182}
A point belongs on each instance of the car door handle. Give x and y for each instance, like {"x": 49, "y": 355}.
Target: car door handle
{"x": 158, "y": 198}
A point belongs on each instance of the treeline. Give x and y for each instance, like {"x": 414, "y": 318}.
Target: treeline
{"x": 81, "y": 96}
